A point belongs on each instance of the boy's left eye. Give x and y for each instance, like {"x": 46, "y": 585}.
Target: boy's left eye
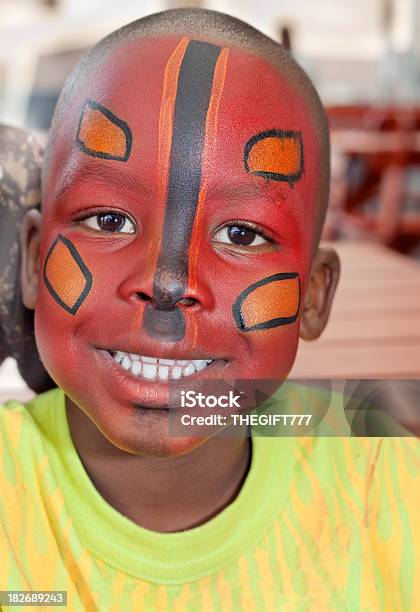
{"x": 110, "y": 222}
{"x": 239, "y": 235}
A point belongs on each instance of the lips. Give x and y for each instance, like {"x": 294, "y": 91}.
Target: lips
{"x": 154, "y": 368}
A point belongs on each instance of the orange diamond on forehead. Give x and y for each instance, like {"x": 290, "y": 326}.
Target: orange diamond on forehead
{"x": 102, "y": 134}
{"x": 275, "y": 155}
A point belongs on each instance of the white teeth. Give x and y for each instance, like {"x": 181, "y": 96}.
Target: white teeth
{"x": 149, "y": 359}
{"x": 136, "y": 367}
{"x": 190, "y": 369}
{"x": 163, "y": 372}
{"x": 149, "y": 371}
{"x": 200, "y": 364}
{"x": 126, "y": 363}
{"x": 176, "y": 372}
{"x": 163, "y": 369}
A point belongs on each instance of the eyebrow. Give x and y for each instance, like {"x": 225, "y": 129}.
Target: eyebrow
{"x": 238, "y": 190}
{"x": 275, "y": 193}
{"x": 269, "y": 197}
{"x": 101, "y": 173}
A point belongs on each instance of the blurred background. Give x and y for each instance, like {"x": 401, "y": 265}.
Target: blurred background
{"x": 364, "y": 58}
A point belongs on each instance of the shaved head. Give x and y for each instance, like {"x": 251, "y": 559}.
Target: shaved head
{"x": 221, "y": 29}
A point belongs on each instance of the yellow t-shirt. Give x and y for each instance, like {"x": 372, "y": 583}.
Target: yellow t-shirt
{"x": 321, "y": 523}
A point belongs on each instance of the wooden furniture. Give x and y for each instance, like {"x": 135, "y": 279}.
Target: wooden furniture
{"x": 375, "y": 150}
{"x": 374, "y": 329}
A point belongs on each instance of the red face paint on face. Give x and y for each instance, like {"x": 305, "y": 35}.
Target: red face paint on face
{"x": 184, "y": 149}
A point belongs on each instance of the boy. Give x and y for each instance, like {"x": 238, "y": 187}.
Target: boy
{"x": 184, "y": 192}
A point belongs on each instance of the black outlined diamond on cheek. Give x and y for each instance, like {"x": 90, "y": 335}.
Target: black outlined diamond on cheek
{"x": 66, "y": 276}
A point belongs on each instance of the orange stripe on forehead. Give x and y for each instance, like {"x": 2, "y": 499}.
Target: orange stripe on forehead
{"x": 276, "y": 155}
{"x": 208, "y": 160}
{"x": 271, "y": 302}
{"x": 102, "y": 134}
{"x": 166, "y": 116}
{"x": 166, "y": 120}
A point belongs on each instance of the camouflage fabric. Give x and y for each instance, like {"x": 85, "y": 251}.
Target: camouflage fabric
{"x": 20, "y": 180}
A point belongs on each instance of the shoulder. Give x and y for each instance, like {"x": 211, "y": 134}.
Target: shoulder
{"x": 23, "y": 426}
{"x": 367, "y": 470}
{"x": 26, "y": 476}
{"x": 13, "y": 418}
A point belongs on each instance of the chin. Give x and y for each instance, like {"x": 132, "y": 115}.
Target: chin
{"x": 148, "y": 434}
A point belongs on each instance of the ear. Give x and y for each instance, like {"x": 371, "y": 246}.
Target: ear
{"x": 29, "y": 244}
{"x": 319, "y": 296}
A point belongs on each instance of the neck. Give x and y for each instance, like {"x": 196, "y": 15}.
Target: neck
{"x": 162, "y": 494}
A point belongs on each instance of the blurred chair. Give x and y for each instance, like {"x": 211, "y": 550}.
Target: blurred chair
{"x": 375, "y": 151}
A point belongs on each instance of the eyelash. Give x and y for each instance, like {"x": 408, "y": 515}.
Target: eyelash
{"x": 90, "y": 213}
{"x": 95, "y": 212}
{"x": 248, "y": 225}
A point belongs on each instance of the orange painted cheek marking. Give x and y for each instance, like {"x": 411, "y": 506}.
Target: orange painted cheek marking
{"x": 270, "y": 302}
{"x": 276, "y": 155}
{"x": 102, "y": 134}
{"x": 66, "y": 276}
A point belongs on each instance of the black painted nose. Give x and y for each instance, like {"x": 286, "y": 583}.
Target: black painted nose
{"x": 163, "y": 317}
{"x": 168, "y": 292}
{"x": 168, "y": 289}
{"x": 166, "y": 325}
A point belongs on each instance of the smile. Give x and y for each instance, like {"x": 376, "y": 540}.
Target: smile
{"x": 153, "y": 368}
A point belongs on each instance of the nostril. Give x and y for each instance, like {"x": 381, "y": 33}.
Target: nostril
{"x": 143, "y": 297}
{"x": 188, "y": 302}
{"x": 169, "y": 303}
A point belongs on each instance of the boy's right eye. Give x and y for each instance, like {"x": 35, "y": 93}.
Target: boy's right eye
{"x": 110, "y": 222}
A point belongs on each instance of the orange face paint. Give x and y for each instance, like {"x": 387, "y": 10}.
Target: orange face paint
{"x": 276, "y": 155}
{"x": 66, "y": 276}
{"x": 102, "y": 134}
{"x": 268, "y": 303}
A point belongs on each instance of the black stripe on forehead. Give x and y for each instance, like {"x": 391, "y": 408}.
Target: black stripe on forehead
{"x": 185, "y": 169}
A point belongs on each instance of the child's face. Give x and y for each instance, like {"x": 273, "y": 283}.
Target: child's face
{"x": 178, "y": 223}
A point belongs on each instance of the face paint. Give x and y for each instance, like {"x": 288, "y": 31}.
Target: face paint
{"x": 217, "y": 139}
{"x": 191, "y": 106}
{"x": 208, "y": 157}
{"x": 102, "y": 134}
{"x": 268, "y": 303}
{"x": 275, "y": 155}
{"x": 66, "y": 276}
